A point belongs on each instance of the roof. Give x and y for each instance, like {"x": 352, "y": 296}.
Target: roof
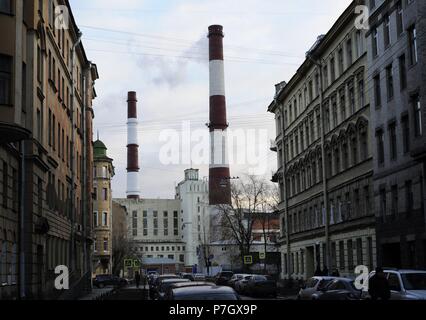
{"x": 100, "y": 151}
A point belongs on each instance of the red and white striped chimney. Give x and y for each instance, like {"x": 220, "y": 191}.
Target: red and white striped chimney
{"x": 219, "y": 175}
{"x": 133, "y": 191}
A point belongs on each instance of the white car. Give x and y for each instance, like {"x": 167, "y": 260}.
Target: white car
{"x": 405, "y": 284}
{"x": 313, "y": 288}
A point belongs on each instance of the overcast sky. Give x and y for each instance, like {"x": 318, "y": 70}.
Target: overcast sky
{"x": 159, "y": 49}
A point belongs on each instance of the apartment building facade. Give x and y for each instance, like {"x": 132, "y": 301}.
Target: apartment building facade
{"x": 46, "y": 127}
{"x": 325, "y": 157}
{"x": 397, "y": 56}
{"x": 103, "y": 172}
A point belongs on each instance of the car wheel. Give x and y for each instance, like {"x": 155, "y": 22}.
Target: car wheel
{"x": 101, "y": 286}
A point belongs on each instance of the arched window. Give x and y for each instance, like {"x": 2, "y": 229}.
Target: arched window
{"x": 354, "y": 146}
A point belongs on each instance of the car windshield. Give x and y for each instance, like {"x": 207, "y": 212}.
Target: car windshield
{"x": 414, "y": 281}
{"x": 323, "y": 284}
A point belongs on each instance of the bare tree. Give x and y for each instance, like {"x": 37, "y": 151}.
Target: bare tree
{"x": 249, "y": 196}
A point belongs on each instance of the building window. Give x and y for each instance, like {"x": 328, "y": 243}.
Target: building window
{"x": 387, "y": 31}
{"x": 341, "y": 61}
{"x": 166, "y": 223}
{"x": 145, "y": 223}
{"x": 155, "y": 214}
{"x": 364, "y": 145}
{"x": 350, "y": 255}
{"x": 106, "y": 244}
{"x": 105, "y": 219}
{"x": 104, "y": 194}
{"x": 412, "y": 46}
{"x": 175, "y": 223}
{"x": 352, "y": 99}
{"x": 349, "y": 55}
{"x": 361, "y": 94}
{"x": 405, "y": 134}
{"x": 392, "y": 141}
{"x": 418, "y": 122}
{"x": 332, "y": 70}
{"x": 402, "y": 72}
{"x": 399, "y": 18}
{"x": 377, "y": 91}
{"x": 375, "y": 42}
{"x": 359, "y": 255}
{"x": 389, "y": 81}
{"x": 95, "y": 219}
{"x": 5, "y": 80}
{"x": 135, "y": 223}
{"x": 380, "y": 147}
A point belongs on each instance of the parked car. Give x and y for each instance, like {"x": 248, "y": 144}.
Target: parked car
{"x": 223, "y": 277}
{"x": 313, "y": 288}
{"x": 236, "y": 277}
{"x": 259, "y": 285}
{"x": 206, "y": 292}
{"x": 404, "y": 284}
{"x": 240, "y": 285}
{"x": 105, "y": 280}
{"x": 188, "y": 276}
{"x": 341, "y": 289}
{"x": 165, "y": 284}
{"x": 153, "y": 287}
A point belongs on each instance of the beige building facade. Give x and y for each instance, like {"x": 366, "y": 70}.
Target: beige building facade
{"x": 325, "y": 157}
{"x": 103, "y": 172}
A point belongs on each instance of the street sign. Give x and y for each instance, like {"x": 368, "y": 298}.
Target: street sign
{"x": 136, "y": 264}
{"x": 248, "y": 260}
{"x": 128, "y": 263}
{"x": 262, "y": 255}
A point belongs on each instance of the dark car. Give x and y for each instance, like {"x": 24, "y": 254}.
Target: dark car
{"x": 205, "y": 292}
{"x": 188, "y": 276}
{"x": 105, "y": 280}
{"x": 314, "y": 288}
{"x": 341, "y": 289}
{"x": 259, "y": 285}
{"x": 165, "y": 285}
{"x": 235, "y": 278}
{"x": 154, "y": 285}
{"x": 223, "y": 277}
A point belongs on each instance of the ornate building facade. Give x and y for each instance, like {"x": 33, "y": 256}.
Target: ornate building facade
{"x": 325, "y": 157}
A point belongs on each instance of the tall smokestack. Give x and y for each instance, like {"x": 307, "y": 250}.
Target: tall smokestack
{"x": 133, "y": 191}
{"x": 219, "y": 175}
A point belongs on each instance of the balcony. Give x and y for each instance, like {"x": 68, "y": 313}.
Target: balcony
{"x": 10, "y": 133}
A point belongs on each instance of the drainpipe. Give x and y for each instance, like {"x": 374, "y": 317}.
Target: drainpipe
{"x": 22, "y": 270}
{"x": 73, "y": 254}
{"x": 85, "y": 189}
{"x": 284, "y": 168}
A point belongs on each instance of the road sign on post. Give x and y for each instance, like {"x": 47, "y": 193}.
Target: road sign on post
{"x": 128, "y": 263}
{"x": 262, "y": 255}
{"x": 248, "y": 260}
{"x": 136, "y": 264}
